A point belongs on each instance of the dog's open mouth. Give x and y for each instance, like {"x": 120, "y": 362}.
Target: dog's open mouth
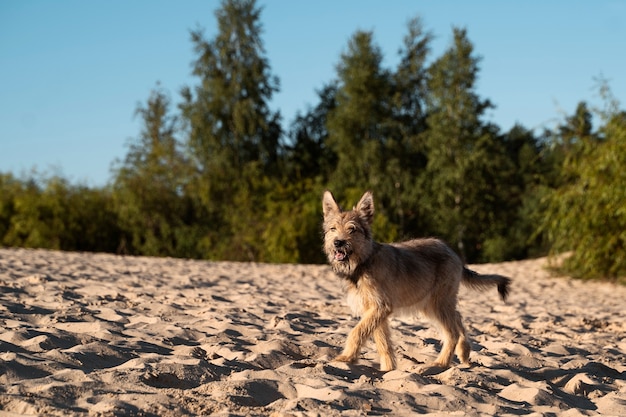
{"x": 341, "y": 255}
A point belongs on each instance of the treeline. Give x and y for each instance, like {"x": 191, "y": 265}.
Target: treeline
{"x": 219, "y": 176}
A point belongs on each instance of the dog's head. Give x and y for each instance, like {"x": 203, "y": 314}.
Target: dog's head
{"x": 348, "y": 234}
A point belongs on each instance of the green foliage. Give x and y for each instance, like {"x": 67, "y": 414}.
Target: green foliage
{"x": 468, "y": 168}
{"x": 154, "y": 212}
{"x": 520, "y": 191}
{"x": 308, "y": 154}
{"x": 10, "y": 188}
{"x": 227, "y": 114}
{"x": 586, "y": 214}
{"x": 356, "y": 125}
{"x": 293, "y": 231}
{"x": 52, "y": 214}
{"x": 232, "y": 137}
{"x": 375, "y": 126}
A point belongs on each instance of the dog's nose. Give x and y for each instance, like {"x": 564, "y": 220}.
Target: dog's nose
{"x": 339, "y": 243}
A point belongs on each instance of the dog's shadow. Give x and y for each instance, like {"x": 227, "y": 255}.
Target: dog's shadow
{"x": 352, "y": 371}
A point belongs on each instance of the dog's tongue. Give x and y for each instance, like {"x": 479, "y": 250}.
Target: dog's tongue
{"x": 340, "y": 256}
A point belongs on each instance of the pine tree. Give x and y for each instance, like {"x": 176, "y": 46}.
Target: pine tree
{"x": 519, "y": 209}
{"x": 410, "y": 82}
{"x": 356, "y": 125}
{"x": 150, "y": 185}
{"x": 228, "y": 114}
{"x": 359, "y": 128}
{"x": 308, "y": 155}
{"x": 406, "y": 158}
{"x": 233, "y": 136}
{"x": 465, "y": 160}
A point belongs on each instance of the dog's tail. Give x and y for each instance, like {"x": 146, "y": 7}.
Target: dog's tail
{"x": 478, "y": 281}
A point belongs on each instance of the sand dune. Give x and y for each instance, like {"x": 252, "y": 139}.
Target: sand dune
{"x": 102, "y": 335}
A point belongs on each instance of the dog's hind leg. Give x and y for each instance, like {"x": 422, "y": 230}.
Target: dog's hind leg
{"x": 446, "y": 318}
{"x": 382, "y": 337}
{"x": 463, "y": 347}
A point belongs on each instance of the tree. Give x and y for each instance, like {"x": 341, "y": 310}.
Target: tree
{"x": 10, "y": 187}
{"x": 40, "y": 212}
{"x": 587, "y": 212}
{"x": 410, "y": 83}
{"x": 359, "y": 126}
{"x": 228, "y": 116}
{"x": 30, "y": 217}
{"x": 233, "y": 137}
{"x": 519, "y": 208}
{"x": 466, "y": 170}
{"x": 308, "y": 154}
{"x": 151, "y": 185}
{"x": 405, "y": 149}
{"x": 356, "y": 125}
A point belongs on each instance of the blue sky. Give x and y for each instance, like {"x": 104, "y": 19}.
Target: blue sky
{"x": 73, "y": 72}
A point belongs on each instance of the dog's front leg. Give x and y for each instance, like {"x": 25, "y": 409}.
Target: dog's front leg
{"x": 371, "y": 320}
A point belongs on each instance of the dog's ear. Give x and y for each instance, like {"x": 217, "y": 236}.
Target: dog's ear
{"x": 329, "y": 205}
{"x": 365, "y": 207}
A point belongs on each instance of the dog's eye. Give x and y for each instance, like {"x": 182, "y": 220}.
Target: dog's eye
{"x": 351, "y": 229}
{"x": 333, "y": 229}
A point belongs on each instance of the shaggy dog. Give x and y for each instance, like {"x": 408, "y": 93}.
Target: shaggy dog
{"x": 416, "y": 276}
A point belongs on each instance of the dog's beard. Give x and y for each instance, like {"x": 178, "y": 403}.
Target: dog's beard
{"x": 342, "y": 260}
{"x": 343, "y": 268}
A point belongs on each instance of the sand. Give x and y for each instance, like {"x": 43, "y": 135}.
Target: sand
{"x": 103, "y": 335}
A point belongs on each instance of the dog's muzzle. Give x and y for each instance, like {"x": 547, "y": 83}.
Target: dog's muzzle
{"x": 342, "y": 250}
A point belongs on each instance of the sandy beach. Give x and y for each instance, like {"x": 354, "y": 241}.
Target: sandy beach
{"x": 103, "y": 335}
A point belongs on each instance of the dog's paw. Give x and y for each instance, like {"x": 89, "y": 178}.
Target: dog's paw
{"x": 387, "y": 363}
{"x": 344, "y": 358}
{"x": 387, "y": 367}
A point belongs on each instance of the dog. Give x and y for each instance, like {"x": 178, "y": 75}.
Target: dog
{"x": 415, "y": 276}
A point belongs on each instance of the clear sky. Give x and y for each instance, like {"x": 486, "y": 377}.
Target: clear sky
{"x": 73, "y": 72}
